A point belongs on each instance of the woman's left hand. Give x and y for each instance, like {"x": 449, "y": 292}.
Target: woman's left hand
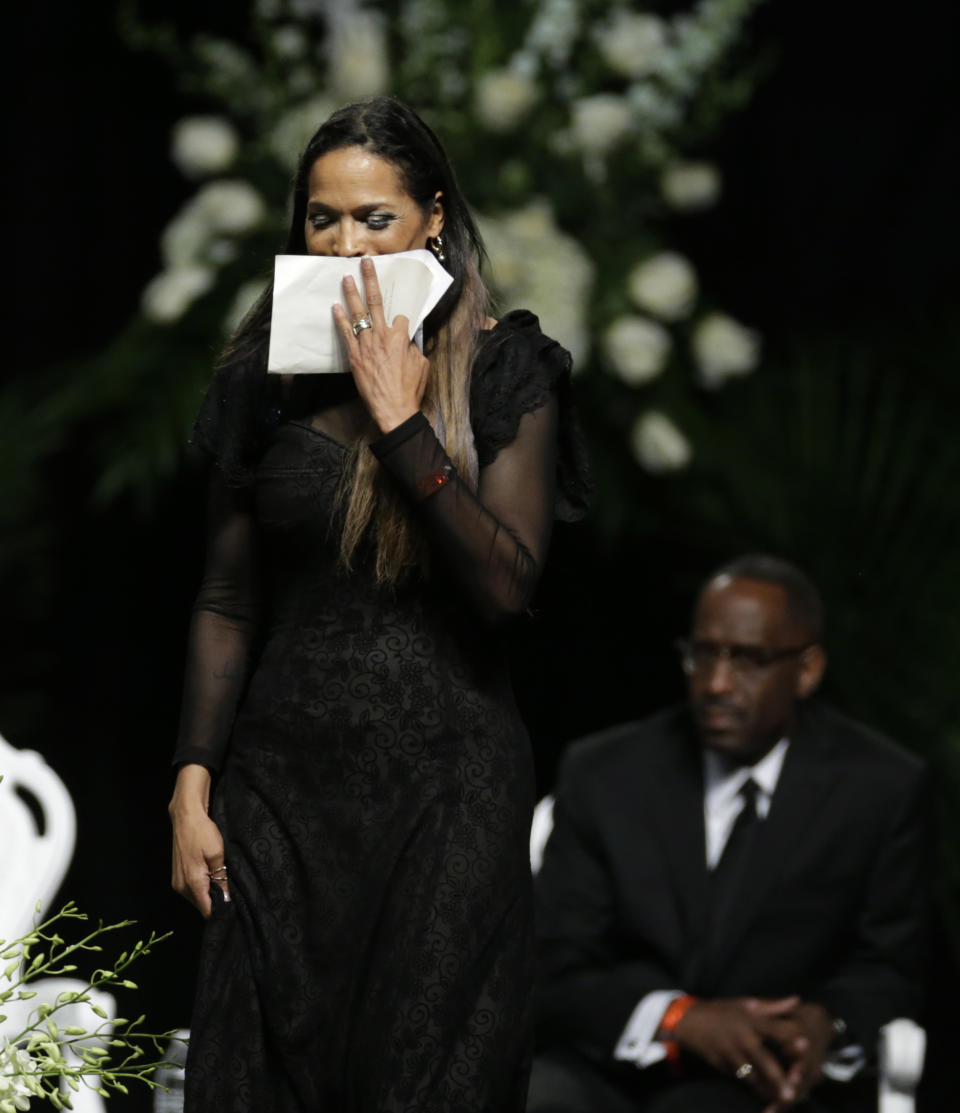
{"x": 389, "y": 369}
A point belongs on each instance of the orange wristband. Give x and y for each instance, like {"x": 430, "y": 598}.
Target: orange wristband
{"x": 675, "y": 1012}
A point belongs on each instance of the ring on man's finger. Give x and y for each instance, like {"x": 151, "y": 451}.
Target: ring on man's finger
{"x": 744, "y": 1071}
{"x": 360, "y": 324}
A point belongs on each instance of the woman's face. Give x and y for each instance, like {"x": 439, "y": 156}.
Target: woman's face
{"x": 357, "y": 206}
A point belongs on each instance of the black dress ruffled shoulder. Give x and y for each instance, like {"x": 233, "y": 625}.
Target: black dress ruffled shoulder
{"x": 516, "y": 370}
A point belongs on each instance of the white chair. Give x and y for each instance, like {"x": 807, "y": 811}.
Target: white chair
{"x": 903, "y": 1045}
{"x": 172, "y": 1077}
{"x": 38, "y": 831}
{"x": 540, "y": 829}
{"x": 38, "y": 828}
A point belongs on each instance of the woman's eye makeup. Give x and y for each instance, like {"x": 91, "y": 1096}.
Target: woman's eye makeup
{"x": 376, "y": 221}
{"x": 379, "y": 220}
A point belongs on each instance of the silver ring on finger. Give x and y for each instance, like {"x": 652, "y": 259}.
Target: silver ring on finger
{"x": 219, "y": 874}
{"x": 360, "y": 324}
{"x": 744, "y": 1071}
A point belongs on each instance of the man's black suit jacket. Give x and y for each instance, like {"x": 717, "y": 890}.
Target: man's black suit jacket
{"x": 832, "y": 900}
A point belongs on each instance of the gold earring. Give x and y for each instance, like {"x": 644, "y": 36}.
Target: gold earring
{"x": 436, "y": 246}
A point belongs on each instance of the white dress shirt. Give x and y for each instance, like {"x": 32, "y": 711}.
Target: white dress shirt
{"x": 722, "y": 803}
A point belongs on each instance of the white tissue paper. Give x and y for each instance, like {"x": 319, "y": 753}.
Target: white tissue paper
{"x": 304, "y": 339}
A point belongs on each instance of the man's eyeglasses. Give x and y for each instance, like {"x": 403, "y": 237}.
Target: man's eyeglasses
{"x": 744, "y": 660}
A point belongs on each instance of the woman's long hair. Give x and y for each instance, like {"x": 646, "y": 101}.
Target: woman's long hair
{"x": 372, "y": 507}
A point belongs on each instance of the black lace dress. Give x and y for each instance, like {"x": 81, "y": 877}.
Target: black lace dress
{"x": 374, "y": 783}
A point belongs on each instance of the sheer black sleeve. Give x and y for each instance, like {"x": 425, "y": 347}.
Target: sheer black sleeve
{"x": 495, "y": 540}
{"x": 221, "y": 629}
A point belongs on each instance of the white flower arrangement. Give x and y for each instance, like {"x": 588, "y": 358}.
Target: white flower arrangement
{"x": 536, "y": 265}
{"x": 503, "y": 99}
{"x": 585, "y": 85}
{"x": 203, "y": 145}
{"x": 220, "y": 208}
{"x": 48, "y": 1062}
{"x": 666, "y": 61}
{"x": 358, "y": 57}
{"x": 599, "y": 123}
{"x": 632, "y": 43}
{"x": 554, "y": 31}
{"x": 690, "y": 186}
{"x": 724, "y": 349}
{"x": 665, "y": 285}
{"x": 230, "y": 206}
{"x": 637, "y": 348}
{"x": 658, "y": 445}
{"x": 18, "y": 1079}
{"x": 171, "y": 293}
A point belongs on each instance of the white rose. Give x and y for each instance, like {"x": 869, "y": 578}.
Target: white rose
{"x": 242, "y": 304}
{"x": 637, "y": 348}
{"x": 228, "y": 207}
{"x": 359, "y": 65}
{"x": 599, "y": 123}
{"x": 665, "y": 285}
{"x": 232, "y": 206}
{"x": 632, "y": 44}
{"x": 202, "y": 145}
{"x": 169, "y": 295}
{"x": 724, "y": 349}
{"x": 658, "y": 445}
{"x": 502, "y": 99}
{"x": 690, "y": 185}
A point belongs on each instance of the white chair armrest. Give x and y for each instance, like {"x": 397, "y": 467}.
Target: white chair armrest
{"x": 540, "y": 829}
{"x": 903, "y": 1045}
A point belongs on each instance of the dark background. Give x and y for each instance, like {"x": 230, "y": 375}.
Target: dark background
{"x": 837, "y": 231}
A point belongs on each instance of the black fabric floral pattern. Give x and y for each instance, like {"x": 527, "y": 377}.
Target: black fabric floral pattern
{"x": 375, "y": 782}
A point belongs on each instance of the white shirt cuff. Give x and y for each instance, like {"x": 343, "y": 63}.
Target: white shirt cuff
{"x": 637, "y": 1043}
{"x": 842, "y": 1065}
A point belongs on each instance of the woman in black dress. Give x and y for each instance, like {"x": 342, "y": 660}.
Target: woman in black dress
{"x": 354, "y": 789}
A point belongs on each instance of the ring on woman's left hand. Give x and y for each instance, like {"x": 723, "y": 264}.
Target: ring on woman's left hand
{"x": 360, "y": 324}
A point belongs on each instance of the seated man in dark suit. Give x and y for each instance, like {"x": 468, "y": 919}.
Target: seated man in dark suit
{"x": 731, "y": 901}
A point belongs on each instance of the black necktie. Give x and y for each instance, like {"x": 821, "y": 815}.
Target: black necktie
{"x": 727, "y": 871}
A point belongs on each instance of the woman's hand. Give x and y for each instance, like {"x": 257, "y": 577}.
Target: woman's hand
{"x": 389, "y": 370}
{"x": 197, "y": 842}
